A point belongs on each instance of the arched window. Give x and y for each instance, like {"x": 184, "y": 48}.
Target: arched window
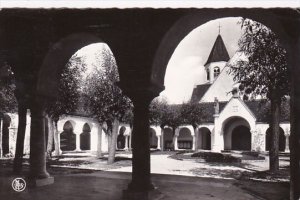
{"x": 216, "y": 71}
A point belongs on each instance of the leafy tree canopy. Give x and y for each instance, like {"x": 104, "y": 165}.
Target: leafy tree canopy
{"x": 171, "y": 116}
{"x": 158, "y": 109}
{"x": 263, "y": 68}
{"x": 105, "y": 100}
{"x": 192, "y": 113}
{"x": 69, "y": 89}
{"x": 8, "y": 102}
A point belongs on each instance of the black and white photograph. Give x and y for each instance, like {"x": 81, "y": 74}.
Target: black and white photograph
{"x": 149, "y": 100}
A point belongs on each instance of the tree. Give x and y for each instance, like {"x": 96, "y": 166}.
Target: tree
{"x": 171, "y": 117}
{"x": 105, "y": 100}
{"x": 157, "y": 111}
{"x": 8, "y": 102}
{"x": 192, "y": 113}
{"x": 264, "y": 72}
{"x": 69, "y": 95}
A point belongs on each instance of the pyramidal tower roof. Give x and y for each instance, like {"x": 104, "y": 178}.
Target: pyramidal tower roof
{"x": 218, "y": 52}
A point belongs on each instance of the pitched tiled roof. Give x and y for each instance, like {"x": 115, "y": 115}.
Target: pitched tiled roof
{"x": 199, "y": 91}
{"x": 262, "y": 110}
{"x": 218, "y": 52}
{"x": 209, "y": 109}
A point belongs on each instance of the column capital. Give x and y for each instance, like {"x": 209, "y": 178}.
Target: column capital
{"x": 37, "y": 106}
{"x": 287, "y": 133}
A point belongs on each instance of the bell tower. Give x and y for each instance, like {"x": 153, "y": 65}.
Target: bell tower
{"x": 217, "y": 59}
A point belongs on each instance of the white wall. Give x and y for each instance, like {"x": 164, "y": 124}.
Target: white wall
{"x": 220, "y": 88}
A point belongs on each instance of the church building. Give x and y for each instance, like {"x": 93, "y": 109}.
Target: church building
{"x": 234, "y": 124}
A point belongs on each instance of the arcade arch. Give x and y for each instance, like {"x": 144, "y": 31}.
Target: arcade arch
{"x": 68, "y": 137}
{"x": 153, "y": 138}
{"x": 185, "y": 139}
{"x": 121, "y": 138}
{"x": 282, "y": 140}
{"x": 204, "y": 138}
{"x": 168, "y": 138}
{"x": 85, "y": 137}
{"x": 236, "y": 133}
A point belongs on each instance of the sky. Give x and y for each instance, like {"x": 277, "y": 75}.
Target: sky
{"x": 186, "y": 66}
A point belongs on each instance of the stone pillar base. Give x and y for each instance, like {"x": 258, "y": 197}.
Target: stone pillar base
{"x": 55, "y": 153}
{"x": 40, "y": 182}
{"x": 134, "y": 195}
{"x": 154, "y": 194}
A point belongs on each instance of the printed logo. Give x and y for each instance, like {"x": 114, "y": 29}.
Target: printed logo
{"x": 18, "y": 184}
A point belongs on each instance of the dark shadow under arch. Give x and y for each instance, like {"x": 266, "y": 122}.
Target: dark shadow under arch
{"x": 204, "y": 139}
{"x": 281, "y": 139}
{"x": 185, "y": 139}
{"x": 68, "y": 138}
{"x": 121, "y": 138}
{"x": 153, "y": 138}
{"x": 241, "y": 138}
{"x": 168, "y": 139}
{"x": 85, "y": 137}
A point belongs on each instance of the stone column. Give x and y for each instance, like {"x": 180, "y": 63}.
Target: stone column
{"x": 77, "y": 142}
{"x": 175, "y": 142}
{"x": 99, "y": 143}
{"x": 1, "y": 127}
{"x": 194, "y": 143}
{"x": 196, "y": 138}
{"x": 294, "y": 143}
{"x": 158, "y": 142}
{"x": 37, "y": 172}
{"x": 77, "y": 131}
{"x": 287, "y": 141}
{"x": 162, "y": 140}
{"x": 27, "y": 133}
{"x": 57, "y": 150}
{"x": 141, "y": 179}
{"x": 254, "y": 140}
{"x": 126, "y": 142}
{"x": 22, "y": 112}
{"x": 218, "y": 143}
{"x": 130, "y": 139}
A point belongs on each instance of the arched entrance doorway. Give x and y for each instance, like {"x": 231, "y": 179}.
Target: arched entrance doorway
{"x": 85, "y": 137}
{"x": 281, "y": 139}
{"x": 185, "y": 139}
{"x": 237, "y": 135}
{"x": 241, "y": 138}
{"x": 68, "y": 138}
{"x": 204, "y": 139}
{"x": 153, "y": 138}
{"x": 121, "y": 138}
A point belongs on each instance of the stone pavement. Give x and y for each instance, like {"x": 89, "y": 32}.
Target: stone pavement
{"x": 87, "y": 184}
{"x": 163, "y": 164}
